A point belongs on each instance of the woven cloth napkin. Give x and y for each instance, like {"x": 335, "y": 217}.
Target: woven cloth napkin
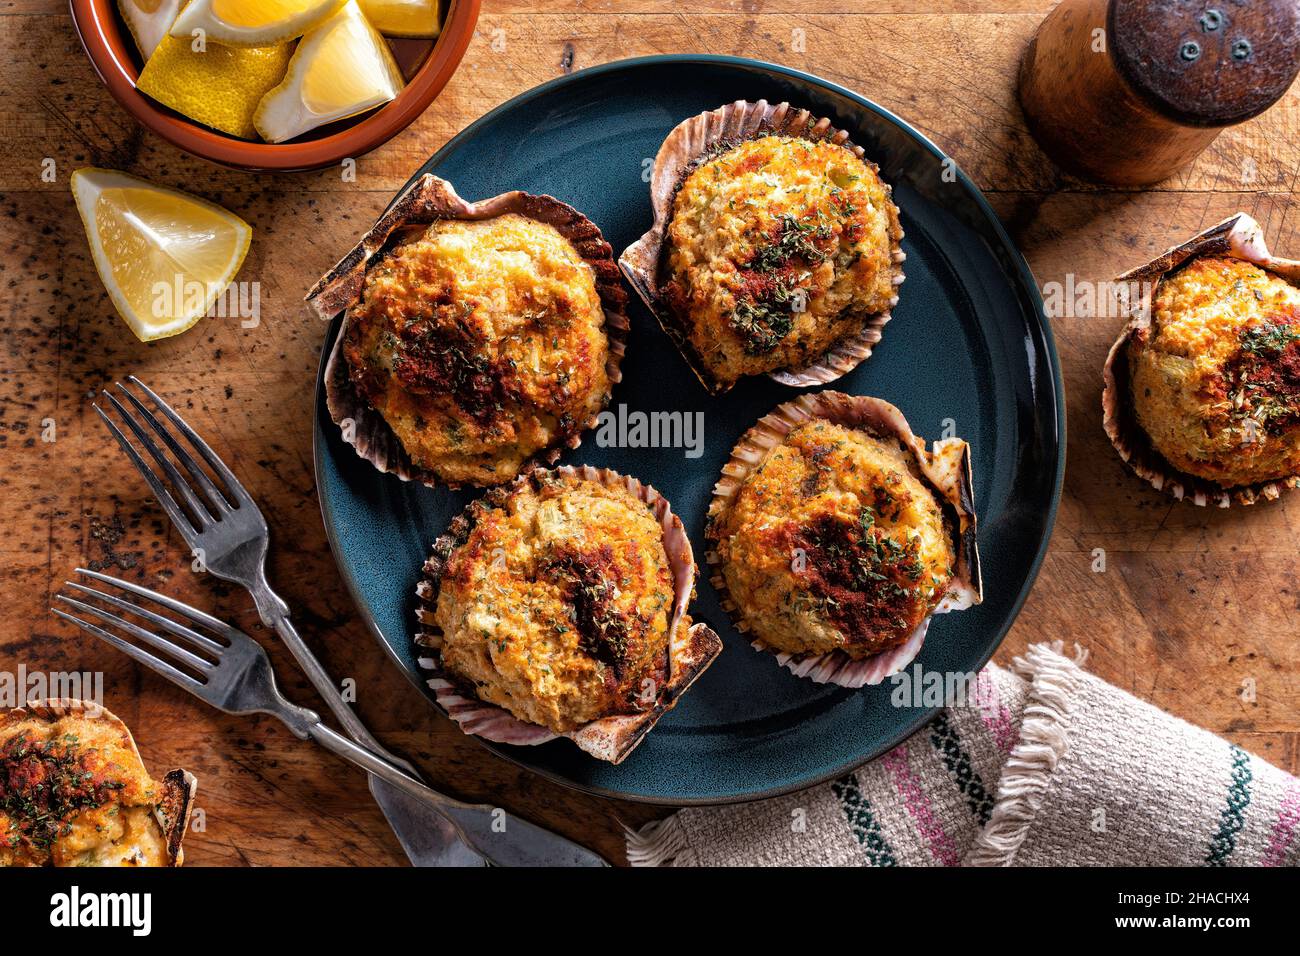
{"x": 1041, "y": 765}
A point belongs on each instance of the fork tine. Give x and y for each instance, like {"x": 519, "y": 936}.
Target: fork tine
{"x": 174, "y": 511}
{"x": 135, "y": 630}
{"x": 233, "y": 485}
{"x": 197, "y": 508}
{"x": 139, "y": 654}
{"x": 180, "y": 630}
{"x": 184, "y": 457}
{"x": 216, "y": 625}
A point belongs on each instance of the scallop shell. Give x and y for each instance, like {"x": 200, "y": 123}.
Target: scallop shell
{"x": 178, "y": 786}
{"x": 947, "y": 469}
{"x": 691, "y": 650}
{"x": 427, "y": 200}
{"x": 685, "y": 145}
{"x": 1238, "y": 236}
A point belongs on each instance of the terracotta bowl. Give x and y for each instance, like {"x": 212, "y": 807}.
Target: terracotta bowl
{"x": 426, "y": 64}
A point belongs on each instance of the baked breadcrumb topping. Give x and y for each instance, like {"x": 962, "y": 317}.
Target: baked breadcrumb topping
{"x": 835, "y": 542}
{"x": 777, "y": 247}
{"x": 558, "y": 605}
{"x": 1215, "y": 379}
{"x": 481, "y": 344}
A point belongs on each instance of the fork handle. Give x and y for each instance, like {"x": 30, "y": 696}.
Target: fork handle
{"x": 372, "y": 763}
{"x": 500, "y": 837}
{"x": 321, "y": 680}
{"x": 275, "y": 613}
{"x": 480, "y": 827}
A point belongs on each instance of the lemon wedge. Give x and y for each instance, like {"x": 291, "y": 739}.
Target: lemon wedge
{"x": 341, "y": 68}
{"x": 148, "y": 21}
{"x": 220, "y": 87}
{"x": 252, "y": 22}
{"x": 403, "y": 18}
{"x": 164, "y": 256}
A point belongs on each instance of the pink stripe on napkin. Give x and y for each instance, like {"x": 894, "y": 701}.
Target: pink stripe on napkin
{"x": 918, "y": 807}
{"x": 1284, "y": 827}
{"x": 995, "y": 715}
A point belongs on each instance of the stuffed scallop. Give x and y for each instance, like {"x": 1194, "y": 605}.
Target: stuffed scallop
{"x": 480, "y": 344}
{"x": 835, "y": 543}
{"x": 559, "y": 604}
{"x": 1203, "y": 387}
{"x": 835, "y": 535}
{"x": 776, "y": 249}
{"x": 480, "y": 338}
{"x": 777, "y": 252}
{"x": 1216, "y": 377}
{"x": 74, "y": 792}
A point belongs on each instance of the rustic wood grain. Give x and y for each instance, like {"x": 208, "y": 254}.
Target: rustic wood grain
{"x": 1191, "y": 603}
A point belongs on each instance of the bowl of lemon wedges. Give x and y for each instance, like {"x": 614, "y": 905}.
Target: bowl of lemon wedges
{"x": 275, "y": 85}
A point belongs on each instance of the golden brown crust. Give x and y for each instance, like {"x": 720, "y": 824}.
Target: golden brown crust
{"x": 692, "y": 647}
{"x": 558, "y": 603}
{"x": 696, "y": 141}
{"x": 777, "y": 248}
{"x": 74, "y": 792}
{"x": 1215, "y": 377}
{"x": 1239, "y": 237}
{"x": 481, "y": 344}
{"x": 836, "y": 542}
{"x": 430, "y": 201}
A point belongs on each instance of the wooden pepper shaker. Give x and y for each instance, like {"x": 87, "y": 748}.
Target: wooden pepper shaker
{"x": 1127, "y": 91}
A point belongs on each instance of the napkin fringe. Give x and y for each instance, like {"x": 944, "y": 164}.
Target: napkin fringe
{"x": 1044, "y": 739}
{"x": 660, "y": 843}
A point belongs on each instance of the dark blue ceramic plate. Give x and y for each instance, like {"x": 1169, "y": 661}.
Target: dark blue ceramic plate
{"x": 967, "y": 342}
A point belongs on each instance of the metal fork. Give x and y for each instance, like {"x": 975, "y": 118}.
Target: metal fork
{"x": 231, "y": 538}
{"x": 227, "y": 529}
{"x": 231, "y": 671}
